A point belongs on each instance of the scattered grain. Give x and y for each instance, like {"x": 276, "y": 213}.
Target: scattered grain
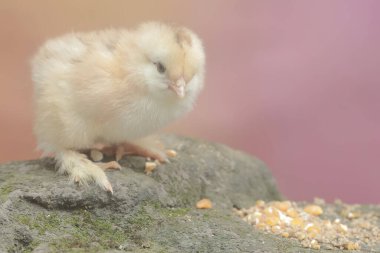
{"x": 351, "y": 246}
{"x": 283, "y": 206}
{"x": 171, "y": 153}
{"x": 149, "y": 167}
{"x": 313, "y": 210}
{"x": 315, "y": 225}
{"x": 204, "y": 204}
{"x": 96, "y": 155}
{"x": 314, "y": 244}
{"x": 292, "y": 213}
{"x": 260, "y": 203}
{"x": 285, "y": 234}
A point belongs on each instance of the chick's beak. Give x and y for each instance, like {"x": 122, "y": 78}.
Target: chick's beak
{"x": 178, "y": 87}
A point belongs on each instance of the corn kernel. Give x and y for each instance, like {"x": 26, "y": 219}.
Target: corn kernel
{"x": 276, "y": 212}
{"x": 300, "y": 236}
{"x": 149, "y": 167}
{"x": 282, "y": 206}
{"x": 272, "y": 220}
{"x": 314, "y": 244}
{"x": 297, "y": 222}
{"x": 268, "y": 211}
{"x": 204, "y": 204}
{"x": 353, "y": 215}
{"x": 285, "y": 234}
{"x": 365, "y": 224}
{"x": 261, "y": 226}
{"x": 292, "y": 213}
{"x": 342, "y": 228}
{"x": 260, "y": 203}
{"x": 313, "y": 228}
{"x": 312, "y": 234}
{"x": 171, "y": 153}
{"x": 351, "y": 246}
{"x": 276, "y": 229}
{"x": 327, "y": 224}
{"x": 313, "y": 210}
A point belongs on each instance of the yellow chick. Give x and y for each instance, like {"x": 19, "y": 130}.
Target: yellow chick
{"x": 112, "y": 87}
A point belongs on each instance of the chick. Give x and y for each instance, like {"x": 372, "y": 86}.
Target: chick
{"x": 112, "y": 87}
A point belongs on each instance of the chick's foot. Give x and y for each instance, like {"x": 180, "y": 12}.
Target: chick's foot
{"x": 81, "y": 170}
{"x": 113, "y": 165}
{"x": 139, "y": 150}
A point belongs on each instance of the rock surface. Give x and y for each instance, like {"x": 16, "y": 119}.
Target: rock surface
{"x": 40, "y": 211}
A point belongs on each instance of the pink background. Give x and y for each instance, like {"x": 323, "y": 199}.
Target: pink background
{"x": 295, "y": 83}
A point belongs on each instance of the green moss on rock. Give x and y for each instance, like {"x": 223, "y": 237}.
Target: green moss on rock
{"x": 42, "y": 222}
{"x": 82, "y": 229}
{"x": 4, "y": 191}
{"x": 146, "y": 213}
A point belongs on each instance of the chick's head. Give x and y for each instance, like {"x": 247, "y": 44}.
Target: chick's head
{"x": 172, "y": 60}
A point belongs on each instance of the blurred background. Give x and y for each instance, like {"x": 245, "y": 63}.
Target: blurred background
{"x": 295, "y": 83}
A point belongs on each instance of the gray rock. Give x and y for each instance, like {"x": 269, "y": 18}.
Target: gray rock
{"x": 40, "y": 211}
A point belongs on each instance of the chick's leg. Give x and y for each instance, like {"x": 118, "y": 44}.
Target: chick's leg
{"x": 81, "y": 170}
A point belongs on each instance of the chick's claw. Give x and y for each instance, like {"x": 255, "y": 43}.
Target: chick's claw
{"x": 108, "y": 187}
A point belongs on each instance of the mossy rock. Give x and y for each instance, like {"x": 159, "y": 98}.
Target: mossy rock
{"x": 41, "y": 211}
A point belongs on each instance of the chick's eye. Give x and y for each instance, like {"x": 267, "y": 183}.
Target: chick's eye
{"x": 160, "y": 67}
